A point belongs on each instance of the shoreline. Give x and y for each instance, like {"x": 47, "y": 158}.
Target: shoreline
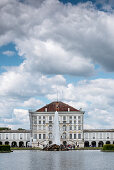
{"x": 87, "y": 148}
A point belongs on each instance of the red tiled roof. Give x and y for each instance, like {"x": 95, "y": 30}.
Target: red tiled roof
{"x": 56, "y": 106}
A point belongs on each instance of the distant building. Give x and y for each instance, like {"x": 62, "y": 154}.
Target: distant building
{"x": 70, "y": 125}
{"x": 15, "y": 138}
{"x": 98, "y": 137}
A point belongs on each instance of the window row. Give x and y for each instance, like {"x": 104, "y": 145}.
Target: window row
{"x": 64, "y": 127}
{"x": 98, "y": 135}
{"x": 50, "y": 122}
{"x": 64, "y": 136}
{"x": 14, "y": 136}
{"x": 50, "y": 118}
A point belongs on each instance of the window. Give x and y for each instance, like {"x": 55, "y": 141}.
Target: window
{"x": 64, "y": 135}
{"x": 74, "y": 136}
{"x": 79, "y": 121}
{"x": 14, "y": 136}
{"x": 35, "y": 127}
{"x": 100, "y": 135}
{"x": 44, "y": 128}
{"x": 79, "y": 136}
{"x": 70, "y": 136}
{"x": 70, "y": 127}
{"x": 64, "y": 117}
{"x": 70, "y": 121}
{"x": 39, "y": 136}
{"x": 74, "y": 121}
{"x": 39, "y": 121}
{"x": 74, "y": 127}
{"x": 50, "y": 117}
{"x": 79, "y": 127}
{"x": 64, "y": 127}
{"x": 93, "y": 135}
{"x": 43, "y": 121}
{"x": 35, "y": 119}
{"x": 21, "y": 136}
{"x": 70, "y": 117}
{"x": 35, "y": 136}
{"x": 28, "y": 136}
{"x": 64, "y": 122}
{"x": 74, "y": 117}
{"x": 43, "y": 117}
{"x": 6, "y": 136}
{"x": 50, "y": 127}
{"x": 44, "y": 136}
{"x": 39, "y": 117}
{"x": 39, "y": 127}
{"x": 79, "y": 117}
{"x": 50, "y": 135}
{"x": 107, "y": 135}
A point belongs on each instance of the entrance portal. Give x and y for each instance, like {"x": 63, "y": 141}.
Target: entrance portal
{"x": 107, "y": 142}
{"x": 21, "y": 144}
{"x": 86, "y": 144}
{"x": 64, "y": 143}
{"x": 7, "y": 143}
{"x": 50, "y": 142}
{"x": 93, "y": 144}
{"x": 14, "y": 144}
{"x": 100, "y": 144}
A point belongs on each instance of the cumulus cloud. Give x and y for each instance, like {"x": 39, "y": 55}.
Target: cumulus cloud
{"x": 95, "y": 97}
{"x": 57, "y": 39}
{"x": 8, "y": 53}
{"x": 71, "y": 39}
{"x": 20, "y": 89}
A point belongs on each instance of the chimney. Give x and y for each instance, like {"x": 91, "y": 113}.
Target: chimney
{"x": 45, "y": 109}
{"x": 68, "y": 109}
{"x": 80, "y": 109}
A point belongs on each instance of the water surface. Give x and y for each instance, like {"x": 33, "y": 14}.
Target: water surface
{"x": 53, "y": 160}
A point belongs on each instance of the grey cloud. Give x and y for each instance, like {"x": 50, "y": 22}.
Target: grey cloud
{"x": 83, "y": 34}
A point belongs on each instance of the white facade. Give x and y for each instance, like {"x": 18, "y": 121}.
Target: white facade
{"x": 19, "y": 138}
{"x": 98, "y": 137}
{"x": 70, "y": 125}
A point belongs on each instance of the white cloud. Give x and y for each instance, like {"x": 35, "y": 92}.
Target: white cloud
{"x": 55, "y": 38}
{"x": 8, "y": 53}
{"x": 71, "y": 39}
{"x": 95, "y": 97}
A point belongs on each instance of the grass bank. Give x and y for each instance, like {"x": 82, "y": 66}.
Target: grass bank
{"x": 24, "y": 148}
{"x": 89, "y": 148}
{"x": 5, "y": 149}
{"x": 108, "y": 148}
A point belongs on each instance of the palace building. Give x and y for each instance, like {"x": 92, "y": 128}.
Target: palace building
{"x": 70, "y": 125}
{"x": 70, "y": 128}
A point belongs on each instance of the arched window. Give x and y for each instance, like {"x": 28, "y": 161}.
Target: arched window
{"x": 93, "y": 144}
{"x": 64, "y": 127}
{"x": 50, "y": 127}
{"x": 86, "y": 144}
{"x": 100, "y": 144}
{"x": 50, "y": 135}
{"x": 64, "y": 135}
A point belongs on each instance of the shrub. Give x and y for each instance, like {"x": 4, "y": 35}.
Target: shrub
{"x": 108, "y": 147}
{"x": 4, "y": 147}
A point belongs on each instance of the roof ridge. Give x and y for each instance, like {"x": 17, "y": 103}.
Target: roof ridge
{"x": 57, "y": 106}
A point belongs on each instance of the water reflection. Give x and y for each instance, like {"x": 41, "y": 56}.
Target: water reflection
{"x": 63, "y": 160}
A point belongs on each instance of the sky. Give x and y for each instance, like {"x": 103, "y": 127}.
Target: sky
{"x": 51, "y": 46}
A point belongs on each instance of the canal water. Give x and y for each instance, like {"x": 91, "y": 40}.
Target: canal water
{"x": 57, "y": 160}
